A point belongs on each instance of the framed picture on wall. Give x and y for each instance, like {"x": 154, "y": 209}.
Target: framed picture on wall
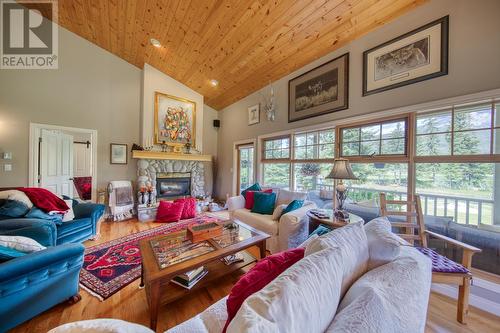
{"x": 416, "y": 56}
{"x": 254, "y": 114}
{"x": 322, "y": 90}
{"x": 175, "y": 120}
{"x": 118, "y": 153}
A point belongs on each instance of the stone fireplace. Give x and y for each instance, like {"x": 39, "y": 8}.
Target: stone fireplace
{"x": 172, "y": 178}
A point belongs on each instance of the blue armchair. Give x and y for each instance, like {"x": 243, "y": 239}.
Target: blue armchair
{"x": 36, "y": 282}
{"x": 48, "y": 233}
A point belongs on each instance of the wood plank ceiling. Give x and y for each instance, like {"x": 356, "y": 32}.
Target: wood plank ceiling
{"x": 244, "y": 44}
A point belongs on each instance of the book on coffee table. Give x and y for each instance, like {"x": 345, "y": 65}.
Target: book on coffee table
{"x": 189, "y": 284}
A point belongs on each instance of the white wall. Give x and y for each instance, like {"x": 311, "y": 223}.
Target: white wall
{"x": 92, "y": 89}
{"x": 154, "y": 80}
{"x": 474, "y": 65}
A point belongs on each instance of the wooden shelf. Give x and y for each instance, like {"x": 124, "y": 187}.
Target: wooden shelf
{"x": 158, "y": 155}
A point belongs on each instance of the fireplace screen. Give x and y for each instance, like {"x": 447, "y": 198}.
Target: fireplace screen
{"x": 174, "y": 184}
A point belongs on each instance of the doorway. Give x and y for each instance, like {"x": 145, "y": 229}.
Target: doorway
{"x": 63, "y": 160}
{"x": 245, "y": 171}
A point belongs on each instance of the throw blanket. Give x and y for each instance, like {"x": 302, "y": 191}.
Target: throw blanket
{"x": 45, "y": 200}
{"x": 83, "y": 186}
{"x": 121, "y": 200}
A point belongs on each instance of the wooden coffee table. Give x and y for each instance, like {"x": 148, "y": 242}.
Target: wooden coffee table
{"x": 160, "y": 290}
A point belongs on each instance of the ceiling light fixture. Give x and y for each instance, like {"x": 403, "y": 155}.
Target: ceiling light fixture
{"x": 214, "y": 82}
{"x": 155, "y": 42}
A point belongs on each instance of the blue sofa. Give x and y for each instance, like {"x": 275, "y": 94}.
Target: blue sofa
{"x": 36, "y": 282}
{"x": 48, "y": 233}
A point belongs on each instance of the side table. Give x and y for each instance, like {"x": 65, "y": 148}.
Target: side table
{"x": 330, "y": 221}
{"x": 145, "y": 213}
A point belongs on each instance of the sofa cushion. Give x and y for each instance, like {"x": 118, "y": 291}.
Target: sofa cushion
{"x": 37, "y": 213}
{"x": 212, "y": 319}
{"x": 189, "y": 209}
{"x": 278, "y": 210}
{"x": 258, "y": 277}
{"x": 73, "y": 226}
{"x": 254, "y": 187}
{"x": 264, "y": 203}
{"x": 352, "y": 242}
{"x": 403, "y": 285}
{"x": 441, "y": 264}
{"x": 7, "y": 253}
{"x": 17, "y": 196}
{"x": 20, "y": 243}
{"x": 13, "y": 208}
{"x": 304, "y": 298}
{"x": 104, "y": 325}
{"x": 295, "y": 204}
{"x": 285, "y": 197}
{"x": 169, "y": 211}
{"x": 259, "y": 221}
{"x": 383, "y": 244}
{"x": 250, "y": 197}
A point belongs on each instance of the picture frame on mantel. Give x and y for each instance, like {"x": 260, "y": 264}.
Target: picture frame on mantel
{"x": 118, "y": 153}
{"x": 322, "y": 90}
{"x": 418, "y": 55}
{"x": 174, "y": 121}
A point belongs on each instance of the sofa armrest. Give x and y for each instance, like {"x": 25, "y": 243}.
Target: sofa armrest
{"x": 293, "y": 227}
{"x": 92, "y": 210}
{"x": 234, "y": 203}
{"x": 43, "y": 231}
{"x": 15, "y": 274}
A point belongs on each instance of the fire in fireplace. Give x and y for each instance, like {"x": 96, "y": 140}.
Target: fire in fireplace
{"x": 173, "y": 184}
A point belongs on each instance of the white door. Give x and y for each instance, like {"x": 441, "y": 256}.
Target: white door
{"x": 56, "y": 162}
{"x": 82, "y": 160}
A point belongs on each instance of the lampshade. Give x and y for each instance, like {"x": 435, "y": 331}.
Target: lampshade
{"x": 341, "y": 170}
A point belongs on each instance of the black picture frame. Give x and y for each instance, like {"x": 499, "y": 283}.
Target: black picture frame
{"x": 345, "y": 97}
{"x": 444, "y": 22}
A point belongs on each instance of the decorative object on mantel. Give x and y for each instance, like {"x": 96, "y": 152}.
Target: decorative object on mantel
{"x": 188, "y": 147}
{"x": 416, "y": 56}
{"x": 164, "y": 146}
{"x": 135, "y": 146}
{"x": 341, "y": 170}
{"x": 149, "y": 144}
{"x": 142, "y": 192}
{"x": 322, "y": 90}
{"x": 254, "y": 114}
{"x": 270, "y": 105}
{"x": 118, "y": 153}
{"x": 174, "y": 121}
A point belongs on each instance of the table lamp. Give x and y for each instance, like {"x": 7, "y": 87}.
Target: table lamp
{"x": 341, "y": 170}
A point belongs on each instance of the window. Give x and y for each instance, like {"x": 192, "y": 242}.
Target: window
{"x": 245, "y": 167}
{"x": 276, "y": 162}
{"x": 314, "y": 145}
{"x": 276, "y": 175}
{"x": 384, "y": 138}
{"x": 277, "y": 148}
{"x": 460, "y": 130}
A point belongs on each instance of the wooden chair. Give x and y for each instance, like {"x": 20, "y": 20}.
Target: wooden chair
{"x": 444, "y": 270}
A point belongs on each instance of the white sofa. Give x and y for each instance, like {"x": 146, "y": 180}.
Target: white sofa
{"x": 356, "y": 279}
{"x": 287, "y": 231}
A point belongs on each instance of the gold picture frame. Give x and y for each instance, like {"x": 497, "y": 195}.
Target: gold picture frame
{"x": 164, "y": 104}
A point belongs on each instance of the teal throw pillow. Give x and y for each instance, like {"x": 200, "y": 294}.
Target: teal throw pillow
{"x": 321, "y": 230}
{"x": 13, "y": 208}
{"x": 6, "y": 253}
{"x": 254, "y": 187}
{"x": 295, "y": 204}
{"x": 264, "y": 203}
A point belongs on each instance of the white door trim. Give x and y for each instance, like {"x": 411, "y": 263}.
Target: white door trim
{"x": 35, "y": 132}
{"x": 253, "y": 142}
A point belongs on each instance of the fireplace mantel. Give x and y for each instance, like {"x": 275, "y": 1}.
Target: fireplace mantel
{"x": 158, "y": 155}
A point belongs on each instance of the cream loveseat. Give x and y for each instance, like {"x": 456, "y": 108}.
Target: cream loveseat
{"x": 287, "y": 231}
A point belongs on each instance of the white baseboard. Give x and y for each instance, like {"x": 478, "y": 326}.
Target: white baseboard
{"x": 474, "y": 300}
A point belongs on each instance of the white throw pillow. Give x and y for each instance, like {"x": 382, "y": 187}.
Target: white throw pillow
{"x": 101, "y": 326}
{"x": 304, "y": 298}
{"x": 285, "y": 197}
{"x": 69, "y": 215}
{"x": 277, "y": 212}
{"x": 17, "y": 196}
{"x": 351, "y": 240}
{"x": 383, "y": 245}
{"x": 20, "y": 243}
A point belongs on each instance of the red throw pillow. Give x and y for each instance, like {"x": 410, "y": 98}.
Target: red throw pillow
{"x": 189, "y": 210}
{"x": 169, "y": 211}
{"x": 258, "y": 277}
{"x": 250, "y": 195}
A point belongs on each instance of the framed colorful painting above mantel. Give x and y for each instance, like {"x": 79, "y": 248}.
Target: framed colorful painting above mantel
{"x": 175, "y": 121}
{"x": 322, "y": 90}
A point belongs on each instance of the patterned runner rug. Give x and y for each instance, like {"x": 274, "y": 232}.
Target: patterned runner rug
{"x": 110, "y": 266}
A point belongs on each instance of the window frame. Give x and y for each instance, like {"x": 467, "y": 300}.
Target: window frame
{"x": 276, "y": 160}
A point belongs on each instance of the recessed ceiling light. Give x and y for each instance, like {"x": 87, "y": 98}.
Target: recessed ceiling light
{"x": 155, "y": 42}
{"x": 214, "y": 82}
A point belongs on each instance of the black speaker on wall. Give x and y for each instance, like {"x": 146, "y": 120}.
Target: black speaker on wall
{"x": 216, "y": 123}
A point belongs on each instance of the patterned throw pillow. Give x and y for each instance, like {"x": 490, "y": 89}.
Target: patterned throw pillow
{"x": 189, "y": 209}
{"x": 169, "y": 211}
{"x": 264, "y": 203}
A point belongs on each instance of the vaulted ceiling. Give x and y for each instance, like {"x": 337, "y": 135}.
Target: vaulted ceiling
{"x": 244, "y": 44}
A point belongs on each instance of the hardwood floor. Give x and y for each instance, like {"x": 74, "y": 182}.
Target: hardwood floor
{"x": 130, "y": 302}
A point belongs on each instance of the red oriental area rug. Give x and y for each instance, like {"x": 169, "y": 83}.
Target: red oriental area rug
{"x": 110, "y": 266}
